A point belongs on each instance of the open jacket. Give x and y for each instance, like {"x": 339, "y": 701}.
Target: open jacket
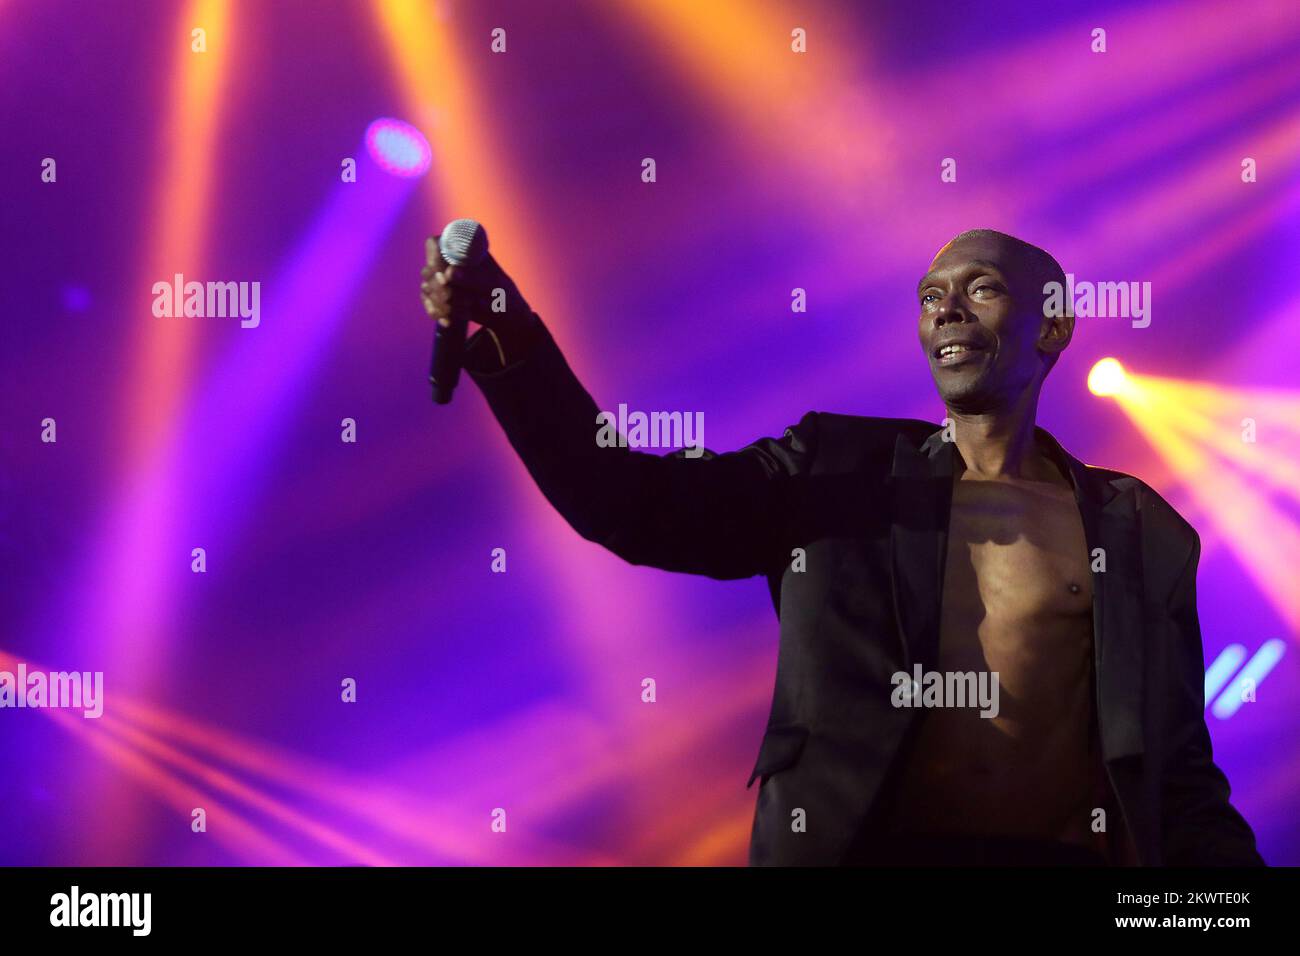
{"x": 867, "y": 500}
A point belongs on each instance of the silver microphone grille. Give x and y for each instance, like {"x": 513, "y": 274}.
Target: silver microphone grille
{"x": 463, "y": 242}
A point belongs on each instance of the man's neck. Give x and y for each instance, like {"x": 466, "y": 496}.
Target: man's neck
{"x": 1002, "y": 443}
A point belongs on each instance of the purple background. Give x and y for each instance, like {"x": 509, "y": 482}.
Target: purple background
{"x": 371, "y": 560}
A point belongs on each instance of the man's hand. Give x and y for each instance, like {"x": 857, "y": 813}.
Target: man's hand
{"x": 482, "y": 293}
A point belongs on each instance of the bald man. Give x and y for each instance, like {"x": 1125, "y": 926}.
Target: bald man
{"x": 989, "y": 651}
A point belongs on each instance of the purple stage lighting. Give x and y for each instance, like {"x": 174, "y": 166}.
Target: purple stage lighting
{"x": 76, "y": 298}
{"x": 399, "y": 148}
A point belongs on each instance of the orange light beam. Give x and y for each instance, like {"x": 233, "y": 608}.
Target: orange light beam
{"x": 382, "y": 807}
{"x": 230, "y": 830}
{"x": 1262, "y": 536}
{"x": 812, "y": 110}
{"x": 1167, "y": 403}
{"x": 470, "y": 176}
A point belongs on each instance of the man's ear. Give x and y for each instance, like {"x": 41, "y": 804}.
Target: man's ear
{"x": 1057, "y": 330}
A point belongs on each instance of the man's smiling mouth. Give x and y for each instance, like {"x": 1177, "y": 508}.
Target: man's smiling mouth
{"x": 957, "y": 353}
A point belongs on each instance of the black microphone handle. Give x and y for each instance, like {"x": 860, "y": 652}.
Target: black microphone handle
{"x": 444, "y": 368}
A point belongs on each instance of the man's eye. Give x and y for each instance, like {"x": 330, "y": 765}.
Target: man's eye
{"x": 925, "y": 299}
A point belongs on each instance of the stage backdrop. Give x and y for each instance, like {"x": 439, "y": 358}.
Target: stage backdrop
{"x": 337, "y": 624}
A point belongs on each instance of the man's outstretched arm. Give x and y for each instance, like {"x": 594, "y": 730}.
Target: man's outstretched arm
{"x": 724, "y": 516}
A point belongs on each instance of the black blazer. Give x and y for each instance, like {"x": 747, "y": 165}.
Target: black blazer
{"x": 867, "y": 499}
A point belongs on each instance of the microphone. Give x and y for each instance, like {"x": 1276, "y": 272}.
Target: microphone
{"x": 463, "y": 243}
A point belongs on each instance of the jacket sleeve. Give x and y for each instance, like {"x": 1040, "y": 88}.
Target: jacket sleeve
{"x": 1200, "y": 826}
{"x": 720, "y": 515}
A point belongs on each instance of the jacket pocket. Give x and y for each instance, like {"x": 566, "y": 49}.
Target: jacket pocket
{"x": 779, "y": 751}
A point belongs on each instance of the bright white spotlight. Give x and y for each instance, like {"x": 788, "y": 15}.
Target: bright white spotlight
{"x": 1107, "y": 377}
{"x": 399, "y": 148}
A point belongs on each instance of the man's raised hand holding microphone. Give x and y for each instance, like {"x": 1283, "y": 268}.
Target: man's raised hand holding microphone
{"x": 461, "y": 283}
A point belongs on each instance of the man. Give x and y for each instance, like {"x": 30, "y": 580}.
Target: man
{"x": 896, "y": 548}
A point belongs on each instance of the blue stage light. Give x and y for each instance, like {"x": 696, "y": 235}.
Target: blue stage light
{"x": 1253, "y": 674}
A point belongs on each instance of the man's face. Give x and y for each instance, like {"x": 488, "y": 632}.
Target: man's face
{"x": 980, "y": 325}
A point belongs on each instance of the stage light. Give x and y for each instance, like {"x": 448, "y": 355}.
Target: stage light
{"x": 1200, "y": 432}
{"x": 1256, "y": 669}
{"x": 399, "y": 148}
{"x": 1220, "y": 672}
{"x": 1107, "y": 377}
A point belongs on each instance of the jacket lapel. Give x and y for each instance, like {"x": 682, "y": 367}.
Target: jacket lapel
{"x": 1111, "y": 525}
{"x": 921, "y": 483}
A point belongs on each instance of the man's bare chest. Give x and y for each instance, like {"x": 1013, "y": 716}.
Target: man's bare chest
{"x": 1022, "y": 548}
{"x": 1017, "y": 580}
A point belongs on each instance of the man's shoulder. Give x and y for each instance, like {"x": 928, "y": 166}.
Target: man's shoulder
{"x": 870, "y": 428}
{"x": 1158, "y": 516}
{"x": 861, "y": 442}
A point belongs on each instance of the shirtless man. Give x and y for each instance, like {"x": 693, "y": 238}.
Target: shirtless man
{"x": 1017, "y": 592}
{"x": 963, "y": 549}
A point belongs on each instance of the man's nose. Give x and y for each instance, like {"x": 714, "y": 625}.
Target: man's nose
{"x": 950, "y": 312}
